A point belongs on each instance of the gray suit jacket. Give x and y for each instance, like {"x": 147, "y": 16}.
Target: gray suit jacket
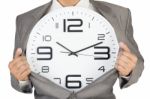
{"x": 102, "y": 88}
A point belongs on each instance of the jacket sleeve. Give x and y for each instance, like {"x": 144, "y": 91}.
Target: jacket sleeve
{"x": 136, "y": 73}
{"x": 14, "y": 82}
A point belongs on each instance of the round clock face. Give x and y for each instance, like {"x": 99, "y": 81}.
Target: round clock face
{"x": 72, "y": 47}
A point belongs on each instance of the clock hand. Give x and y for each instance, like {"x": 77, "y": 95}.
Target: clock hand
{"x": 78, "y": 54}
{"x": 74, "y": 53}
{"x": 67, "y": 49}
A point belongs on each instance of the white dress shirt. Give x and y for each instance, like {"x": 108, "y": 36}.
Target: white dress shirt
{"x": 82, "y": 3}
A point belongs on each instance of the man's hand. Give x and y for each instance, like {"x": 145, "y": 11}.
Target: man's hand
{"x": 19, "y": 66}
{"x": 126, "y": 61}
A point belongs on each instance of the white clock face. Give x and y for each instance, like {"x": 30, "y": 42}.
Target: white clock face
{"x": 72, "y": 47}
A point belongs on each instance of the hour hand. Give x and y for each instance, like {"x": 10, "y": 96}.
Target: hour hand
{"x": 66, "y": 49}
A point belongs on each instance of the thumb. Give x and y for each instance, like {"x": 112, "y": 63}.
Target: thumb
{"x": 124, "y": 47}
{"x": 18, "y": 52}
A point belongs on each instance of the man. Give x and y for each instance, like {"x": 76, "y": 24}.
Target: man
{"x": 129, "y": 65}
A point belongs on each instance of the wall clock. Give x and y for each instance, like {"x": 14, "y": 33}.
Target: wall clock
{"x": 72, "y": 47}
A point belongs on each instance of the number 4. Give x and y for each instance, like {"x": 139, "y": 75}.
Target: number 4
{"x": 102, "y": 68}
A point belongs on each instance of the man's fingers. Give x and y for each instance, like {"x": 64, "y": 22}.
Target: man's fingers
{"x": 16, "y": 62}
{"x": 25, "y": 74}
{"x": 124, "y": 47}
{"x": 22, "y": 72}
{"x": 120, "y": 69}
{"x": 18, "y": 52}
{"x": 122, "y": 63}
{"x": 130, "y": 56}
{"x": 22, "y": 68}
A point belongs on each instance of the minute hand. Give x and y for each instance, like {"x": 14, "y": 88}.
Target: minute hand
{"x": 85, "y": 48}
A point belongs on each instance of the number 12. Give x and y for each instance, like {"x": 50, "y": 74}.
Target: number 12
{"x": 68, "y": 28}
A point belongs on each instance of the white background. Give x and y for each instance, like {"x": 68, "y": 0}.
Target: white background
{"x": 9, "y": 9}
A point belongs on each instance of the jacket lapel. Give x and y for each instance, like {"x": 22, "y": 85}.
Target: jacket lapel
{"x": 41, "y": 11}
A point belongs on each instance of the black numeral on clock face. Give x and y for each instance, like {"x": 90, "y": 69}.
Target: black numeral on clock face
{"x": 74, "y": 25}
{"x": 47, "y": 38}
{"x": 102, "y": 68}
{"x": 73, "y": 83}
{"x": 45, "y": 69}
{"x": 89, "y": 80}
{"x": 101, "y": 37}
{"x": 102, "y": 53}
{"x": 45, "y": 53}
{"x": 59, "y": 80}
